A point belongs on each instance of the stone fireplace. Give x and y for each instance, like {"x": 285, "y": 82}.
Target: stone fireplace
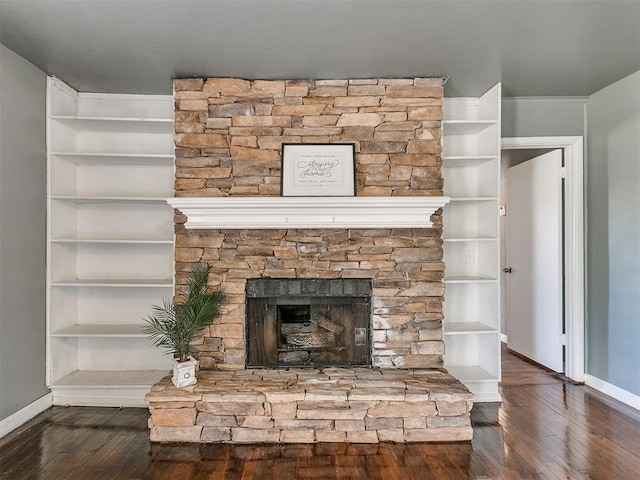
{"x": 349, "y": 288}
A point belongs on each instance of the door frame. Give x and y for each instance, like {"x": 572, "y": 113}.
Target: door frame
{"x": 573, "y": 151}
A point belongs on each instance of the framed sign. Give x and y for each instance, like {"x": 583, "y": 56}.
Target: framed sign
{"x": 318, "y": 170}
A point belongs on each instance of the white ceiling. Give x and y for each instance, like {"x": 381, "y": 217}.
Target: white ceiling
{"x": 536, "y": 48}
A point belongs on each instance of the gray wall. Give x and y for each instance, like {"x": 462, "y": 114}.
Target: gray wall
{"x": 613, "y": 234}
{"x": 541, "y": 117}
{"x": 22, "y": 232}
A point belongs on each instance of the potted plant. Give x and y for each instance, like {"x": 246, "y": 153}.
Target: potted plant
{"x": 176, "y": 324}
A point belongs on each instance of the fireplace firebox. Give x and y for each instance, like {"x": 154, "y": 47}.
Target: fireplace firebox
{"x": 308, "y": 322}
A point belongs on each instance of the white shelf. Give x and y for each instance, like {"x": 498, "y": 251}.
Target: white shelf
{"x": 117, "y": 124}
{"x": 469, "y": 239}
{"x": 471, "y": 219}
{"x": 115, "y": 282}
{"x": 124, "y": 158}
{"x": 96, "y": 388}
{"x": 93, "y": 135}
{"x": 471, "y": 373}
{"x": 91, "y": 119}
{"x": 460, "y": 161}
{"x": 466, "y": 127}
{"x": 124, "y": 331}
{"x": 110, "y": 238}
{"x": 466, "y": 328}
{"x": 113, "y": 241}
{"x": 469, "y": 280}
{"x": 103, "y": 199}
{"x": 473, "y": 199}
{"x": 479, "y": 381}
{"x": 108, "y": 379}
{"x": 471, "y": 303}
{"x": 111, "y": 176}
{"x": 70, "y": 219}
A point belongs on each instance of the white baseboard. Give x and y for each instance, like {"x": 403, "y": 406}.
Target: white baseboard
{"x": 25, "y": 414}
{"x": 503, "y": 338}
{"x": 616, "y": 392}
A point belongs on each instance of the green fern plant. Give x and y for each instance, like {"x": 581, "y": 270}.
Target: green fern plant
{"x": 174, "y": 325}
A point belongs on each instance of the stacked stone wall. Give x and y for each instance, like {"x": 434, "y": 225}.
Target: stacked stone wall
{"x": 228, "y": 136}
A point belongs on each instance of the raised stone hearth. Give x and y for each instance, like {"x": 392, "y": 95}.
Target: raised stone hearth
{"x": 357, "y": 405}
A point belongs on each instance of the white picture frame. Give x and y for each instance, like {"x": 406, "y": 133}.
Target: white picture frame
{"x": 318, "y": 170}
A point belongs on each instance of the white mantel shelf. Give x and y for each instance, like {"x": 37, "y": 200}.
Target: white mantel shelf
{"x": 307, "y": 212}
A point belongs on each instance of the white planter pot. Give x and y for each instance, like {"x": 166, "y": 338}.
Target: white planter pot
{"x": 184, "y": 373}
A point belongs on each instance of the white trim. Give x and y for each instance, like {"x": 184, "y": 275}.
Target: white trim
{"x": 100, "y": 396}
{"x": 55, "y": 82}
{"x": 52, "y": 83}
{"x": 487, "y": 398}
{"x": 574, "y": 242}
{"x": 25, "y": 414}
{"x": 618, "y": 393}
{"x": 308, "y": 212}
{"x": 503, "y": 338}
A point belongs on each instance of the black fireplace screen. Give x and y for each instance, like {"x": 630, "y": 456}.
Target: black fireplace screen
{"x": 308, "y": 323}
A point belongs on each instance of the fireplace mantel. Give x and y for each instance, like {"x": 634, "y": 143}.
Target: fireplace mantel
{"x": 307, "y": 212}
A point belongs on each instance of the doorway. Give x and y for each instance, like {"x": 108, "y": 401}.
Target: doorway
{"x": 571, "y": 250}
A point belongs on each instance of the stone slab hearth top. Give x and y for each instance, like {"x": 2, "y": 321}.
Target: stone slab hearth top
{"x": 355, "y": 405}
{"x": 290, "y": 384}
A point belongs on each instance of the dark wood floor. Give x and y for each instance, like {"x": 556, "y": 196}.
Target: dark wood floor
{"x": 548, "y": 429}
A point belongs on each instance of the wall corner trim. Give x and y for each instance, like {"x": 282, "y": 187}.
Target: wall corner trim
{"x": 25, "y": 414}
{"x": 618, "y": 393}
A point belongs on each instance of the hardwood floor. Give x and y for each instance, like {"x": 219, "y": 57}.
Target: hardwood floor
{"x": 548, "y": 429}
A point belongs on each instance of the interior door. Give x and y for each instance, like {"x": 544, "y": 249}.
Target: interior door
{"x": 534, "y": 259}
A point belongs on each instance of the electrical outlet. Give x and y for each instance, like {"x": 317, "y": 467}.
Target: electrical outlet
{"x": 469, "y": 257}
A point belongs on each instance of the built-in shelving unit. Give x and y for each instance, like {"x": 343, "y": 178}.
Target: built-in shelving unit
{"x": 110, "y": 242}
{"x": 471, "y": 169}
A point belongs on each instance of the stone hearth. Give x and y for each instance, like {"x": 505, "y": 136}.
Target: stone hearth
{"x": 357, "y": 405}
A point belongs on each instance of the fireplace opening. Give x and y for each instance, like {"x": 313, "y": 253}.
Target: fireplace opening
{"x": 308, "y": 323}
